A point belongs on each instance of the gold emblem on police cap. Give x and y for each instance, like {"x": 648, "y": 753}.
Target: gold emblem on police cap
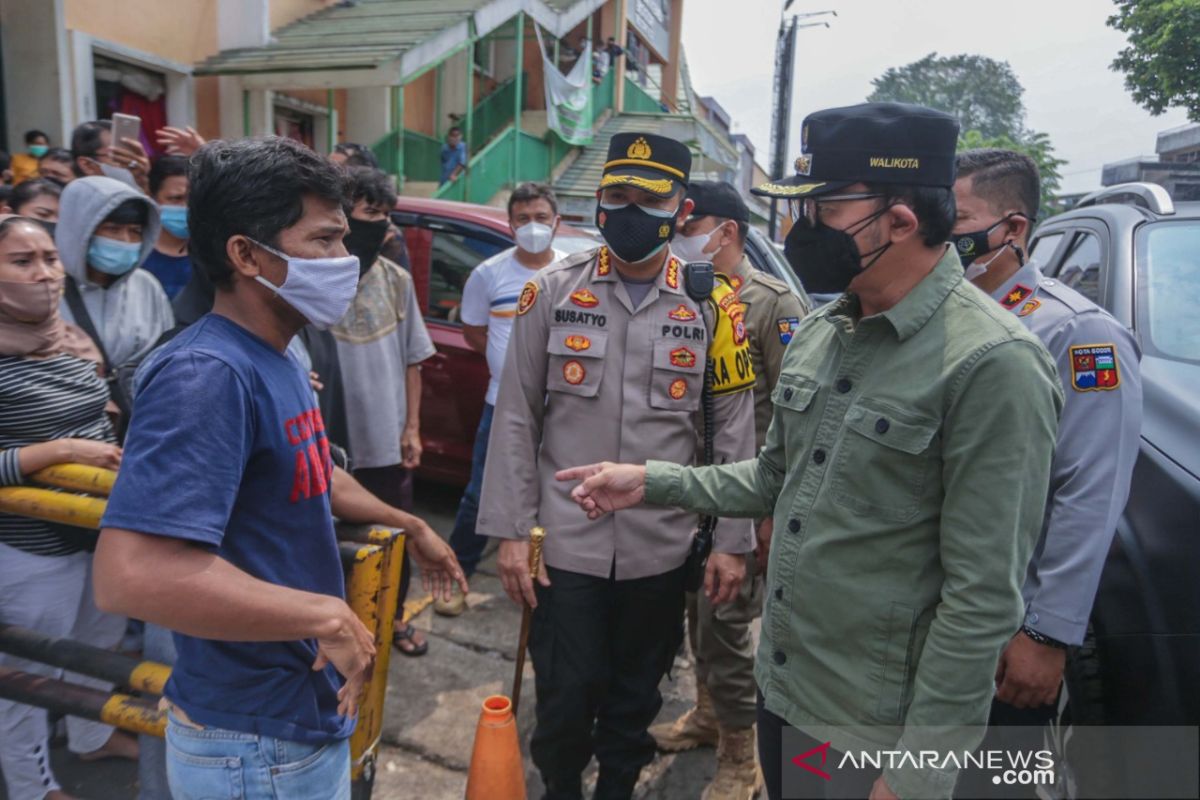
{"x": 640, "y": 149}
{"x": 804, "y": 164}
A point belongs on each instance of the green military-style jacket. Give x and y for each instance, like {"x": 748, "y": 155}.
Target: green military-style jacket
{"x": 907, "y": 466}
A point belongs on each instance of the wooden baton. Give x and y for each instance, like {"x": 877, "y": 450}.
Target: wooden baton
{"x": 536, "y": 537}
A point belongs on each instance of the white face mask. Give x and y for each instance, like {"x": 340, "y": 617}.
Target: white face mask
{"x": 691, "y": 248}
{"x": 119, "y": 174}
{"x": 975, "y": 269}
{"x": 534, "y": 237}
{"x": 321, "y": 289}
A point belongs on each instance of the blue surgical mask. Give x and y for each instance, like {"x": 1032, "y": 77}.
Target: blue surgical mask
{"x": 113, "y": 257}
{"x": 175, "y": 220}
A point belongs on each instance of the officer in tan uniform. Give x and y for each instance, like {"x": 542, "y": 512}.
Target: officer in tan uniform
{"x": 720, "y": 636}
{"x": 607, "y": 362}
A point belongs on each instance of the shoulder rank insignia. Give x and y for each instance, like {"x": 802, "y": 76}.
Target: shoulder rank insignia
{"x": 677, "y": 389}
{"x": 603, "y": 265}
{"x": 528, "y": 298}
{"x": 787, "y": 327}
{"x": 1094, "y": 368}
{"x": 682, "y": 357}
{"x": 1016, "y": 295}
{"x": 585, "y": 299}
{"x": 682, "y": 314}
{"x": 1029, "y": 307}
{"x": 578, "y": 343}
{"x": 574, "y": 373}
{"x": 673, "y": 273}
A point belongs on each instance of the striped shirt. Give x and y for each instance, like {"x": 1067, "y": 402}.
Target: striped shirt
{"x": 42, "y": 400}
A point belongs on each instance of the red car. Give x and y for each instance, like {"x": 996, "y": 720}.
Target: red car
{"x": 446, "y": 241}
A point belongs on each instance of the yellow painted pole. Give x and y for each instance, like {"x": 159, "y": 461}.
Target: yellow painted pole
{"x": 362, "y": 594}
{"x": 68, "y": 509}
{"x": 78, "y": 478}
{"x": 375, "y": 693}
{"x": 124, "y": 712}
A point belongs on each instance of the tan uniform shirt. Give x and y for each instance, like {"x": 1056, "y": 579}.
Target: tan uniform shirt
{"x": 588, "y": 378}
{"x": 773, "y": 313}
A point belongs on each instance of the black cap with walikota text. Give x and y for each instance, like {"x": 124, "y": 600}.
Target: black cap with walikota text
{"x": 870, "y": 143}
{"x": 647, "y": 161}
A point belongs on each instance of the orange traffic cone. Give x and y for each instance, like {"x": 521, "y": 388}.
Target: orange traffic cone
{"x": 497, "y": 772}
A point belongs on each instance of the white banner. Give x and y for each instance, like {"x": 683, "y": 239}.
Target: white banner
{"x": 569, "y": 97}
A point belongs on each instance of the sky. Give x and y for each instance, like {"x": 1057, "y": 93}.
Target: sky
{"x": 1060, "y": 51}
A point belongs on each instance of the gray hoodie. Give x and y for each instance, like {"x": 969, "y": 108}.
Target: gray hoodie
{"x": 134, "y": 311}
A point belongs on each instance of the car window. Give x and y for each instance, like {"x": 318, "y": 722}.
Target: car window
{"x": 1080, "y": 267}
{"x": 447, "y": 257}
{"x": 1043, "y": 246}
{"x": 1169, "y": 290}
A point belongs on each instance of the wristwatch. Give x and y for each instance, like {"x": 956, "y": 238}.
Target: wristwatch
{"x": 1042, "y": 638}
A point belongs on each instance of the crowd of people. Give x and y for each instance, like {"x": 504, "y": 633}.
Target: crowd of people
{"x": 902, "y": 484}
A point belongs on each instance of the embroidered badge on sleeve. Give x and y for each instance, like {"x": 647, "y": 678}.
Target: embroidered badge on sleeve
{"x": 1094, "y": 368}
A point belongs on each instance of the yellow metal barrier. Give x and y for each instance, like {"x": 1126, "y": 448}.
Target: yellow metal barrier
{"x": 69, "y": 509}
{"x": 78, "y": 478}
{"x": 372, "y": 589}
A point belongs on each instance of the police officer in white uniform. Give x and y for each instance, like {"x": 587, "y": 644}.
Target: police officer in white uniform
{"x": 997, "y": 194}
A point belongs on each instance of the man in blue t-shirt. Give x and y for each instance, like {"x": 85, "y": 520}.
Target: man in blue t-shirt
{"x": 220, "y": 526}
{"x": 454, "y": 155}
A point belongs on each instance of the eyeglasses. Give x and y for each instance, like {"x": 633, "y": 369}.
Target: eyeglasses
{"x": 808, "y": 207}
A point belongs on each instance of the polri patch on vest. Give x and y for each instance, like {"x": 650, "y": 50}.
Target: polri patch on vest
{"x": 682, "y": 357}
{"x": 682, "y": 314}
{"x": 1015, "y": 295}
{"x": 528, "y": 298}
{"x": 1094, "y": 368}
{"x": 574, "y": 373}
{"x": 578, "y": 343}
{"x": 585, "y": 299}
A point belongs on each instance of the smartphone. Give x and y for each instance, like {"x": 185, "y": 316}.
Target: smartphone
{"x": 125, "y": 126}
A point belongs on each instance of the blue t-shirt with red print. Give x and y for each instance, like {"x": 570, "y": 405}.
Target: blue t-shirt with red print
{"x": 227, "y": 449}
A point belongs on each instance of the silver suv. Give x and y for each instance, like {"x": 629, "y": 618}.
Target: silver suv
{"x": 1136, "y": 253}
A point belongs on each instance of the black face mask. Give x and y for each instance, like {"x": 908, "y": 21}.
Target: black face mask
{"x": 826, "y": 259}
{"x": 971, "y": 246}
{"x": 633, "y": 233}
{"x": 365, "y": 240}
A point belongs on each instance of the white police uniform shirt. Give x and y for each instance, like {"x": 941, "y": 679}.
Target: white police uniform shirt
{"x": 1098, "y": 438}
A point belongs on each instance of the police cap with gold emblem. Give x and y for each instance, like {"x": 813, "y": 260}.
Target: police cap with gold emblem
{"x": 870, "y": 143}
{"x": 647, "y": 161}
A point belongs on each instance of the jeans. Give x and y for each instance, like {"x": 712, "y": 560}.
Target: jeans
{"x": 208, "y": 763}
{"x": 467, "y": 544}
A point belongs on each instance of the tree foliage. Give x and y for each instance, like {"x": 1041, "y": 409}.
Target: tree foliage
{"x": 985, "y": 96}
{"x": 1035, "y": 145}
{"x": 983, "y": 93}
{"x": 1162, "y": 62}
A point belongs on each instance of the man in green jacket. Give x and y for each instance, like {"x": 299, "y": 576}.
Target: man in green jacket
{"x": 906, "y": 467}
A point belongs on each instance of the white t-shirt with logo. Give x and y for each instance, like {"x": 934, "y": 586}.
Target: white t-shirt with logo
{"x": 490, "y": 300}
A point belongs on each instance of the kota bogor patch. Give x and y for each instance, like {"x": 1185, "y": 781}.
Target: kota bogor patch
{"x": 528, "y": 298}
{"x": 574, "y": 373}
{"x": 1094, "y": 368}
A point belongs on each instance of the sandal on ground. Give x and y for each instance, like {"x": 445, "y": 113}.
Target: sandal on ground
{"x": 404, "y": 642}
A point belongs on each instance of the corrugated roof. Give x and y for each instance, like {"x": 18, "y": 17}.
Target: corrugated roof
{"x": 362, "y": 36}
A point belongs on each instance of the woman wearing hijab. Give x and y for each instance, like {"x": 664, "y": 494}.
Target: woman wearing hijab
{"x": 52, "y": 411}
